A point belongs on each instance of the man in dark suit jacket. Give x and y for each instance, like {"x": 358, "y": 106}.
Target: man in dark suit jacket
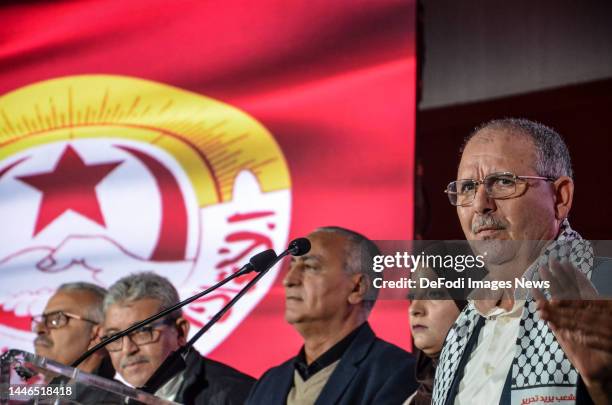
{"x": 137, "y": 357}
{"x": 329, "y": 295}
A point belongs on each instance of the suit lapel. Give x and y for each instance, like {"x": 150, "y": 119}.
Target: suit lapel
{"x": 195, "y": 370}
{"x": 284, "y": 380}
{"x": 347, "y": 368}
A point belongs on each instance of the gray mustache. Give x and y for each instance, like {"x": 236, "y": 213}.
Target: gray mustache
{"x": 44, "y": 340}
{"x": 486, "y": 222}
{"x": 131, "y": 360}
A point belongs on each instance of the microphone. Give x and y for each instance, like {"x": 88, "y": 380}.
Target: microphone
{"x": 258, "y": 263}
{"x": 298, "y": 247}
{"x": 175, "y": 362}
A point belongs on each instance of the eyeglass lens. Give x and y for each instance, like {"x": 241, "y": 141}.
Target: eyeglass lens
{"x": 138, "y": 337}
{"x": 53, "y": 320}
{"x": 462, "y": 192}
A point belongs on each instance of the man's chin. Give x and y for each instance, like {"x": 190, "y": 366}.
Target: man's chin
{"x": 293, "y": 318}
{"x": 44, "y": 352}
{"x": 495, "y": 251}
{"x": 290, "y": 319}
{"x": 136, "y": 382}
{"x": 492, "y": 234}
{"x": 138, "y": 374}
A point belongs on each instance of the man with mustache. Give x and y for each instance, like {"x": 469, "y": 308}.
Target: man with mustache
{"x": 513, "y": 196}
{"x": 328, "y": 297}
{"x": 137, "y": 356}
{"x": 71, "y": 324}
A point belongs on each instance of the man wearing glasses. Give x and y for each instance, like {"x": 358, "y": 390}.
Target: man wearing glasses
{"x": 137, "y": 356}
{"x": 513, "y": 196}
{"x": 71, "y": 324}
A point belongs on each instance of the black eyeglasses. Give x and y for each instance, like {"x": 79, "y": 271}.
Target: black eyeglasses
{"x": 145, "y": 335}
{"x": 56, "y": 320}
{"x": 497, "y": 185}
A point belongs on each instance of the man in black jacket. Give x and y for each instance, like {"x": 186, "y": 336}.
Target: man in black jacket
{"x": 329, "y": 295}
{"x": 136, "y": 357}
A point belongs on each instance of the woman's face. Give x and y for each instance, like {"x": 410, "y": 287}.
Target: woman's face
{"x": 432, "y": 313}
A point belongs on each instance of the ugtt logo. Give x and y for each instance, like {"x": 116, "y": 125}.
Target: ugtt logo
{"x": 101, "y": 176}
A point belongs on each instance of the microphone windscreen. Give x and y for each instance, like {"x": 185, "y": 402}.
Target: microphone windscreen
{"x": 262, "y": 260}
{"x": 299, "y": 246}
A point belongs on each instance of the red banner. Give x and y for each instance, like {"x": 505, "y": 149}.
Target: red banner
{"x": 184, "y": 136}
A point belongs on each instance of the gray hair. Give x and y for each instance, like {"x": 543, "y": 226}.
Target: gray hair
{"x": 95, "y": 311}
{"x": 358, "y": 259}
{"x": 138, "y": 286}
{"x": 552, "y": 156}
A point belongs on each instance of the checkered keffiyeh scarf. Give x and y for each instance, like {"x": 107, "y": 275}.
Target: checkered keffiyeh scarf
{"x": 540, "y": 367}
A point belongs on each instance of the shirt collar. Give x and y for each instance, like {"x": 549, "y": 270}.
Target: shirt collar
{"x": 330, "y": 356}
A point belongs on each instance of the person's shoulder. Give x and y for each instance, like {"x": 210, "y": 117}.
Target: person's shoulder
{"x": 385, "y": 349}
{"x": 211, "y": 382}
{"x": 388, "y": 370}
{"x": 378, "y": 348}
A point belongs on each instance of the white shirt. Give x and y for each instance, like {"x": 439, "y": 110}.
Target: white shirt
{"x": 171, "y": 388}
{"x": 490, "y": 361}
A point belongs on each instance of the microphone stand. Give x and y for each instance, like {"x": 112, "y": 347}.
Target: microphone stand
{"x": 297, "y": 247}
{"x": 255, "y": 263}
{"x": 175, "y": 362}
{"x": 231, "y": 303}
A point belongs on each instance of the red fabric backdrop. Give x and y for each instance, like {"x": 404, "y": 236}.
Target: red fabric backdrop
{"x": 333, "y": 81}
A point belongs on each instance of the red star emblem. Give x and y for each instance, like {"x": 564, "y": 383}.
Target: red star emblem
{"x": 70, "y": 186}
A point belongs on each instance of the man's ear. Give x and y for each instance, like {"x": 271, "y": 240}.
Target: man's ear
{"x": 95, "y": 336}
{"x": 182, "y": 328}
{"x": 360, "y": 288}
{"x": 564, "y": 195}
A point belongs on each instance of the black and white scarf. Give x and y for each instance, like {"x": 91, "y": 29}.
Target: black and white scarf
{"x": 540, "y": 369}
